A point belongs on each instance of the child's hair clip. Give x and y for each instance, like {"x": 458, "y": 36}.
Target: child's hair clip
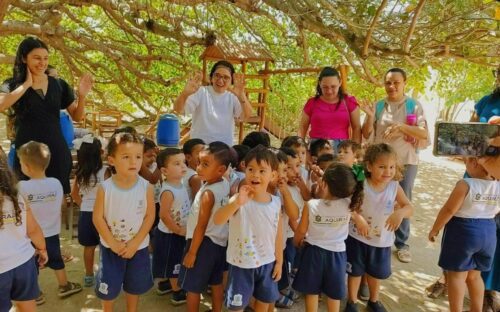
{"x": 88, "y": 138}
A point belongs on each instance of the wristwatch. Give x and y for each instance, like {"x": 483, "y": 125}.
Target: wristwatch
{"x": 492, "y": 151}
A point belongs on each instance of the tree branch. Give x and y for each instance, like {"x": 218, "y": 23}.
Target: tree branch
{"x": 368, "y": 37}
{"x": 406, "y": 45}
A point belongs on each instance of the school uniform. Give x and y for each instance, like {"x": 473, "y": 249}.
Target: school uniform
{"x": 156, "y": 195}
{"x": 324, "y": 260}
{"x": 210, "y": 260}
{"x": 87, "y": 233}
{"x": 168, "y": 247}
{"x": 469, "y": 238}
{"x": 124, "y": 211}
{"x": 372, "y": 254}
{"x": 18, "y": 268}
{"x": 292, "y": 257}
{"x": 185, "y": 180}
{"x": 251, "y": 253}
{"x": 45, "y": 197}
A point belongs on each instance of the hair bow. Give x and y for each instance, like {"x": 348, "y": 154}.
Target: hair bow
{"x": 359, "y": 172}
{"x": 88, "y": 138}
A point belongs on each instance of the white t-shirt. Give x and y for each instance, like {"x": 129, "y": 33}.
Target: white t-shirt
{"x": 14, "y": 242}
{"x": 217, "y": 233}
{"x": 180, "y": 207}
{"x": 185, "y": 180}
{"x": 125, "y": 209}
{"x": 328, "y": 223}
{"x": 88, "y": 194}
{"x": 252, "y": 234}
{"x": 213, "y": 115}
{"x": 482, "y": 201}
{"x": 376, "y": 208}
{"x": 45, "y": 197}
{"x": 299, "y": 201}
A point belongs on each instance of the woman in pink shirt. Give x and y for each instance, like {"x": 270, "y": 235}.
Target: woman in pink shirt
{"x": 331, "y": 113}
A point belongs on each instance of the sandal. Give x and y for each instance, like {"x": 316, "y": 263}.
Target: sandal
{"x": 436, "y": 290}
{"x": 284, "y": 302}
{"x": 66, "y": 255}
{"x": 404, "y": 255}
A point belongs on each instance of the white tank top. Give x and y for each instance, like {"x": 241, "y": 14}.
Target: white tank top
{"x": 88, "y": 194}
{"x": 284, "y": 219}
{"x": 376, "y": 208}
{"x": 157, "y": 185}
{"x": 185, "y": 180}
{"x": 297, "y": 198}
{"x": 482, "y": 201}
{"x": 14, "y": 242}
{"x": 252, "y": 234}
{"x": 217, "y": 233}
{"x": 180, "y": 207}
{"x": 124, "y": 210}
{"x": 44, "y": 196}
{"x": 328, "y": 223}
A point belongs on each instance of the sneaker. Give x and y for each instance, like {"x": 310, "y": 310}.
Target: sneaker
{"x": 66, "y": 255}
{"x": 375, "y": 306}
{"x": 292, "y": 294}
{"x": 404, "y": 255}
{"x": 284, "y": 302}
{"x": 88, "y": 281}
{"x": 364, "y": 292}
{"x": 178, "y": 297}
{"x": 163, "y": 288}
{"x": 436, "y": 290}
{"x": 40, "y": 299}
{"x": 69, "y": 289}
{"x": 351, "y": 306}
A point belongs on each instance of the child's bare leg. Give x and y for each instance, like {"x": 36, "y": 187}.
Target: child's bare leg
{"x": 373, "y": 286}
{"x": 475, "y": 285}
{"x": 260, "y": 306}
{"x": 173, "y": 283}
{"x": 107, "y": 305}
{"x": 333, "y": 305}
{"x": 88, "y": 259}
{"x": 218, "y": 297}
{"x": 456, "y": 290}
{"x": 311, "y": 303}
{"x": 193, "y": 302}
{"x": 353, "y": 283}
{"x": 132, "y": 302}
{"x": 26, "y": 306}
{"x": 270, "y": 308}
{"x": 62, "y": 279}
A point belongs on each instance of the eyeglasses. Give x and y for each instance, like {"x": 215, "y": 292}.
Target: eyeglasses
{"x": 223, "y": 77}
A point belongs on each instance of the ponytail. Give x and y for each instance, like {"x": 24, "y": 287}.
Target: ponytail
{"x": 357, "y": 197}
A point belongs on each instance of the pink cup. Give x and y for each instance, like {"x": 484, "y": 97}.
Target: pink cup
{"x": 411, "y": 119}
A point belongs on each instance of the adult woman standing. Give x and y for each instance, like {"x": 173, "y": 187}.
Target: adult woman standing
{"x": 331, "y": 113}
{"x": 214, "y": 107}
{"x": 36, "y": 99}
{"x": 394, "y": 124}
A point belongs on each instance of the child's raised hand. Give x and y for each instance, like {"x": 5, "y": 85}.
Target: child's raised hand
{"x": 316, "y": 173}
{"x": 193, "y": 84}
{"x": 189, "y": 260}
{"x": 245, "y": 194}
{"x": 392, "y": 223}
{"x": 432, "y": 235}
{"x": 42, "y": 257}
{"x": 277, "y": 271}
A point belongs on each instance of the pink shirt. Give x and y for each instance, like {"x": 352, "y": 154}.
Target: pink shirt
{"x": 330, "y": 121}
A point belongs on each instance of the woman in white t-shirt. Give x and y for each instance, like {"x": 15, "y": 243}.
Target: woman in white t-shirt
{"x": 214, "y": 107}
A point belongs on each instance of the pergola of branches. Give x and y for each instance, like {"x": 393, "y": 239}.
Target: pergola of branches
{"x": 144, "y": 47}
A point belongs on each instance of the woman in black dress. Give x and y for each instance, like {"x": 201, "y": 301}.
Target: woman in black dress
{"x": 36, "y": 100}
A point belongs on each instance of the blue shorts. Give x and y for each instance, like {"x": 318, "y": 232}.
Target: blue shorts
{"x": 208, "y": 267}
{"x": 115, "y": 272}
{"x": 19, "y": 284}
{"x": 243, "y": 284}
{"x": 321, "y": 271}
{"x": 363, "y": 258}
{"x": 54, "y": 252}
{"x": 167, "y": 254}
{"x": 87, "y": 233}
{"x": 468, "y": 244}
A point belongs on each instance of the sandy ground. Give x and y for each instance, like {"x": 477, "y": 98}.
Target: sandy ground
{"x": 403, "y": 291}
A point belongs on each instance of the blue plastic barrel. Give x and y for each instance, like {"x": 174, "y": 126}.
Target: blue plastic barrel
{"x": 12, "y": 156}
{"x": 67, "y": 128}
{"x": 168, "y": 132}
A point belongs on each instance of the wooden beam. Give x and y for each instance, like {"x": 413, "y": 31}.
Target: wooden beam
{"x": 7, "y": 59}
{"x": 4, "y": 4}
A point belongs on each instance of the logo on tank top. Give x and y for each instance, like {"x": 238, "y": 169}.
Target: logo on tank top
{"x": 331, "y": 220}
{"x": 43, "y": 197}
{"x": 488, "y": 199}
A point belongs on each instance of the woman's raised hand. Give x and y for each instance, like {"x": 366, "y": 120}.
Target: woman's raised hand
{"x": 239, "y": 85}
{"x": 85, "y": 85}
{"x": 367, "y": 107}
{"x": 193, "y": 84}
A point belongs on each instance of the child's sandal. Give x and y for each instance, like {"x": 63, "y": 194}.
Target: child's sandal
{"x": 284, "y": 303}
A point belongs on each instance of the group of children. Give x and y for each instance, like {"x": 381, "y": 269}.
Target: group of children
{"x": 255, "y": 224}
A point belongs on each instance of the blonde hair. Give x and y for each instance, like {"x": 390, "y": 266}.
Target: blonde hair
{"x": 35, "y": 154}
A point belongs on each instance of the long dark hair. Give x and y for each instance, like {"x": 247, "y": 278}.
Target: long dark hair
{"x": 89, "y": 163}
{"x": 20, "y": 67}
{"x": 328, "y": 72}
{"x": 342, "y": 183}
{"x": 8, "y": 189}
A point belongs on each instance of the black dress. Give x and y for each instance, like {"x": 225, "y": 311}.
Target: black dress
{"x": 37, "y": 119}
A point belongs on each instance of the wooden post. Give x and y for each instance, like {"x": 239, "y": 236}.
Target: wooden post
{"x": 343, "y": 75}
{"x": 204, "y": 78}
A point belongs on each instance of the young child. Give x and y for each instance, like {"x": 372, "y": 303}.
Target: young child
{"x": 322, "y": 163}
{"x": 191, "y": 180}
{"x": 319, "y": 147}
{"x": 369, "y": 245}
{"x": 254, "y": 250}
{"x": 242, "y": 151}
{"x": 19, "y": 232}
{"x": 90, "y": 173}
{"x": 44, "y": 196}
{"x": 170, "y": 237}
{"x": 123, "y": 215}
{"x": 204, "y": 257}
{"x": 326, "y": 223}
{"x": 255, "y": 138}
{"x": 468, "y": 218}
{"x": 299, "y": 146}
{"x": 348, "y": 151}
